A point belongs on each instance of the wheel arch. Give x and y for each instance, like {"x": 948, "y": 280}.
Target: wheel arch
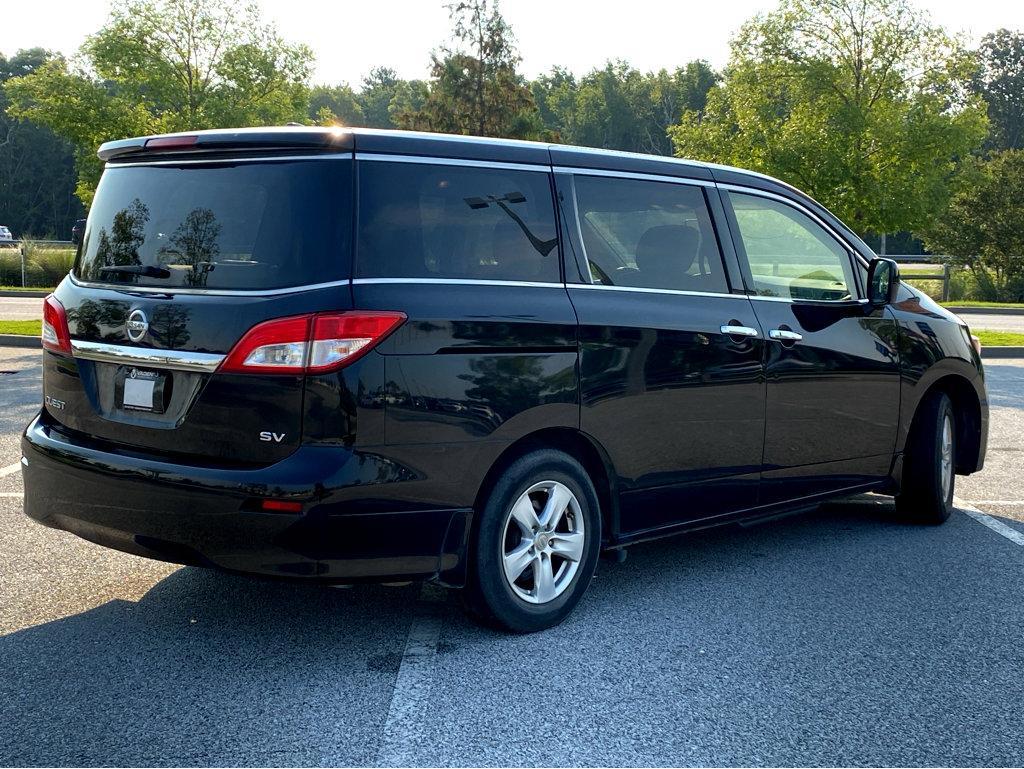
{"x": 584, "y": 449}
{"x": 967, "y": 412}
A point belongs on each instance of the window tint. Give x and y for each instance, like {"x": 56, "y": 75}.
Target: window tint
{"x": 442, "y": 221}
{"x": 648, "y": 235}
{"x": 790, "y": 255}
{"x": 220, "y": 226}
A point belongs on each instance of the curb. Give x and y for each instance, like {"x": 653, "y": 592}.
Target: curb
{"x": 20, "y": 340}
{"x": 985, "y": 310}
{"x": 25, "y": 294}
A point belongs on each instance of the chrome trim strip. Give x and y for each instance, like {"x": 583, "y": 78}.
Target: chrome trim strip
{"x": 633, "y": 175}
{"x": 178, "y": 360}
{"x": 456, "y": 282}
{"x": 436, "y": 161}
{"x": 799, "y": 206}
{"x": 228, "y": 159}
{"x": 208, "y": 291}
{"x": 829, "y": 302}
{"x": 639, "y": 290}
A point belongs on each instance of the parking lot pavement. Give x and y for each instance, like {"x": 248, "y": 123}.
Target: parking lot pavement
{"x": 836, "y": 637}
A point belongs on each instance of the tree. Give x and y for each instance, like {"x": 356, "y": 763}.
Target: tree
{"x": 335, "y": 105}
{"x": 981, "y": 228}
{"x": 862, "y": 103}
{"x": 376, "y": 96}
{"x": 619, "y": 107}
{"x": 165, "y": 65}
{"x": 475, "y": 88}
{"x": 37, "y": 170}
{"x": 1000, "y": 82}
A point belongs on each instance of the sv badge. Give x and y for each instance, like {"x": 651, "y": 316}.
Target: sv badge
{"x": 268, "y": 437}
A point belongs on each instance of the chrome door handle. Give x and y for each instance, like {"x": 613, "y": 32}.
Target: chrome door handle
{"x": 739, "y": 330}
{"x": 785, "y": 335}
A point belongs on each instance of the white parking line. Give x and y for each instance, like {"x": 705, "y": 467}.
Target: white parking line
{"x": 10, "y": 469}
{"x": 987, "y": 520}
{"x": 412, "y": 693}
{"x": 999, "y": 501}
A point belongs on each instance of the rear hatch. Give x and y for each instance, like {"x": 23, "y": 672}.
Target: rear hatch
{"x": 181, "y": 257}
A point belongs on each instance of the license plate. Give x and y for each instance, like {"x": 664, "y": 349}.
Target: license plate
{"x": 141, "y": 390}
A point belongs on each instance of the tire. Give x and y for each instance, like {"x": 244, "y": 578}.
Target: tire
{"x": 929, "y": 469}
{"x": 555, "y": 563}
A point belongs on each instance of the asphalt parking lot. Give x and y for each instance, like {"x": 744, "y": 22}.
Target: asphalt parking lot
{"x": 835, "y": 637}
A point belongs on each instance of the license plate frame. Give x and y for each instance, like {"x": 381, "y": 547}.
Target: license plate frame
{"x": 141, "y": 390}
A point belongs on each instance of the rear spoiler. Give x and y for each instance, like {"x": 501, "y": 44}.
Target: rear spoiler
{"x": 312, "y": 139}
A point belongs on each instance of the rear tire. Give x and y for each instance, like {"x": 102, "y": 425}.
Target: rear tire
{"x": 536, "y": 544}
{"x": 929, "y": 468}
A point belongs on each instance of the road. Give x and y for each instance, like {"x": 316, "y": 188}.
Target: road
{"x": 19, "y": 308}
{"x": 836, "y": 637}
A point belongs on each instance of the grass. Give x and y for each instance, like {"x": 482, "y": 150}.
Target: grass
{"x": 27, "y": 288}
{"x": 21, "y": 327}
{"x": 999, "y": 338}
{"x": 973, "y": 303}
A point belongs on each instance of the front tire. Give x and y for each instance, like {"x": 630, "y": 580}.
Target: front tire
{"x": 536, "y": 544}
{"x": 929, "y": 471}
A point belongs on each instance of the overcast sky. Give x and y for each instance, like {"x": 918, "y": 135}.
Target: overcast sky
{"x": 350, "y": 37}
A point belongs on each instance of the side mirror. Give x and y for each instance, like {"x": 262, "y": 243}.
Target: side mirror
{"x": 883, "y": 281}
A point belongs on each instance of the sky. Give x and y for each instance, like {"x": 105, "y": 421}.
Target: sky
{"x": 349, "y": 37}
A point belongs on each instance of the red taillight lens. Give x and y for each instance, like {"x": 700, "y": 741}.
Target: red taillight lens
{"x": 171, "y": 142}
{"x": 313, "y": 344}
{"x": 55, "y": 336}
{"x": 281, "y": 506}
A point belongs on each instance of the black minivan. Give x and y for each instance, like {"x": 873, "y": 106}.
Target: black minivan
{"x": 339, "y": 355}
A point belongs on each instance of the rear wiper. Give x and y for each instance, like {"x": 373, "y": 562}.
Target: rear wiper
{"x": 146, "y": 270}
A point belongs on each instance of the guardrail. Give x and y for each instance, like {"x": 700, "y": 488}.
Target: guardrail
{"x": 938, "y": 260}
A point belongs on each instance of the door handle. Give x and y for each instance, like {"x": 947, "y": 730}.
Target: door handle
{"x": 785, "y": 335}
{"x": 739, "y": 330}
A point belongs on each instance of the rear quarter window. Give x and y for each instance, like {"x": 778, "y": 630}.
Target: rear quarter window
{"x": 419, "y": 220}
{"x": 223, "y": 225}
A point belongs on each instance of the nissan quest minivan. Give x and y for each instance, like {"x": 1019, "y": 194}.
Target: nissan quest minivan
{"x": 338, "y": 355}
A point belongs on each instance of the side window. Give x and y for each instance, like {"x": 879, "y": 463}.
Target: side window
{"x": 419, "y": 220}
{"x": 648, "y": 234}
{"x": 790, "y": 255}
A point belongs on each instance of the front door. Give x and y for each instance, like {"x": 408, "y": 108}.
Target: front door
{"x": 671, "y": 381}
{"x": 831, "y": 365}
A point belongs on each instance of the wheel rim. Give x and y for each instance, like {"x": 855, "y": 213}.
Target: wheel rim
{"x": 947, "y": 455}
{"x": 543, "y": 542}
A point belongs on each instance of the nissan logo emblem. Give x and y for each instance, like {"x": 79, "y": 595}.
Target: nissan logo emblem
{"x": 136, "y": 325}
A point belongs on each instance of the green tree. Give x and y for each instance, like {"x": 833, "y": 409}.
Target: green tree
{"x": 981, "y": 229}
{"x": 335, "y": 105}
{"x": 165, "y": 65}
{"x": 37, "y": 170}
{"x": 475, "y": 88}
{"x": 619, "y": 107}
{"x": 862, "y": 103}
{"x": 376, "y": 96}
{"x": 1000, "y": 82}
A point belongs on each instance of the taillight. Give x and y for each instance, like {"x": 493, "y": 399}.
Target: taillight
{"x": 313, "y": 344}
{"x": 55, "y": 336}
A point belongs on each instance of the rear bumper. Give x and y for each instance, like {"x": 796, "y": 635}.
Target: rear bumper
{"x": 210, "y": 517}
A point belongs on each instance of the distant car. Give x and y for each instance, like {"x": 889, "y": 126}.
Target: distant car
{"x": 5, "y": 235}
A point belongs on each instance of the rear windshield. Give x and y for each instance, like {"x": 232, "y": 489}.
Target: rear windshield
{"x": 225, "y": 225}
